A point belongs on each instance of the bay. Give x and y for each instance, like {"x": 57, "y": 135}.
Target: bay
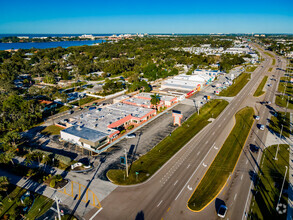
{"x": 44, "y": 45}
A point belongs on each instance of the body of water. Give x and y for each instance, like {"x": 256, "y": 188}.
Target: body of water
{"x": 44, "y": 45}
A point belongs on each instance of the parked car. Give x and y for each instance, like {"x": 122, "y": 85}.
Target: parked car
{"x": 257, "y": 117}
{"x": 268, "y": 102}
{"x": 222, "y": 211}
{"x": 262, "y": 127}
{"x": 131, "y": 136}
{"x": 254, "y": 148}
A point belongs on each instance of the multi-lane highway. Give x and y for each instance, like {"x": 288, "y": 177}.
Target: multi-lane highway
{"x": 165, "y": 195}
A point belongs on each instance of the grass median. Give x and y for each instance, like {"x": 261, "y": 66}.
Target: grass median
{"x": 223, "y": 165}
{"x": 259, "y": 91}
{"x": 237, "y": 85}
{"x": 149, "y": 163}
{"x": 268, "y": 185}
{"x": 284, "y": 101}
{"x": 278, "y": 120}
{"x": 270, "y": 69}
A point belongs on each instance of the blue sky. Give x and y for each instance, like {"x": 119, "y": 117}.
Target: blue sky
{"x": 161, "y": 16}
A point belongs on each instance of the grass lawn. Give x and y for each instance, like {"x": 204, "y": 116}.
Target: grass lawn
{"x": 12, "y": 205}
{"x": 269, "y": 183}
{"x": 283, "y": 101}
{"x": 270, "y": 69}
{"x": 149, "y": 163}
{"x": 274, "y": 62}
{"x": 259, "y": 91}
{"x": 223, "y": 165}
{"x": 285, "y": 85}
{"x": 276, "y": 121}
{"x": 237, "y": 85}
{"x": 52, "y": 130}
{"x": 250, "y": 68}
{"x": 84, "y": 100}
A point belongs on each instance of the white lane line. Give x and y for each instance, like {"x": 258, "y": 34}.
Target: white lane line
{"x": 175, "y": 182}
{"x": 189, "y": 188}
{"x": 235, "y": 196}
{"x": 159, "y": 203}
{"x": 219, "y": 125}
{"x": 204, "y": 164}
{"x": 194, "y": 172}
{"x": 198, "y": 153}
{"x": 216, "y": 148}
{"x": 241, "y": 176}
{"x": 207, "y": 142}
{"x": 246, "y": 161}
{"x": 100, "y": 209}
{"x": 188, "y": 166}
{"x": 224, "y": 119}
{"x": 213, "y": 133}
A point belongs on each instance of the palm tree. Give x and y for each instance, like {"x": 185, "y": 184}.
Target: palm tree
{"x": 3, "y": 183}
{"x": 155, "y": 100}
{"x": 7, "y": 157}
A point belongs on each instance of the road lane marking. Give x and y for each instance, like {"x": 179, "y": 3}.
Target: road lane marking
{"x": 168, "y": 209}
{"x": 241, "y": 177}
{"x": 175, "y": 182}
{"x": 194, "y": 173}
{"x": 235, "y": 196}
{"x": 159, "y": 203}
{"x": 224, "y": 119}
{"x": 188, "y": 187}
{"x": 213, "y": 133}
{"x": 188, "y": 166}
{"x": 219, "y": 125}
{"x": 207, "y": 142}
{"x": 216, "y": 148}
{"x": 204, "y": 164}
{"x": 100, "y": 209}
{"x": 246, "y": 161}
{"x": 198, "y": 153}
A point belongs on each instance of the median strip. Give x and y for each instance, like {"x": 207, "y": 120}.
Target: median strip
{"x": 259, "y": 91}
{"x": 149, "y": 163}
{"x": 237, "y": 85}
{"x": 223, "y": 165}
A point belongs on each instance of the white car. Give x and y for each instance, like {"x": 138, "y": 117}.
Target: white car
{"x": 257, "y": 117}
{"x": 130, "y": 136}
{"x": 222, "y": 211}
{"x": 262, "y": 127}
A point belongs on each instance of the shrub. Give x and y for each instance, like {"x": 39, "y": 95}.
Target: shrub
{"x": 52, "y": 183}
{"x": 130, "y": 127}
{"x": 123, "y": 131}
{"x": 58, "y": 178}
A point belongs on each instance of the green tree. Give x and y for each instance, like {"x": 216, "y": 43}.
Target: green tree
{"x": 4, "y": 183}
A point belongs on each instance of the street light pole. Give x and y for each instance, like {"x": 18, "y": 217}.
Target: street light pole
{"x": 58, "y": 210}
{"x": 279, "y": 143}
{"x": 282, "y": 187}
{"x": 126, "y": 165}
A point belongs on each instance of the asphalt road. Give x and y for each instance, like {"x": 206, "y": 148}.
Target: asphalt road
{"x": 166, "y": 194}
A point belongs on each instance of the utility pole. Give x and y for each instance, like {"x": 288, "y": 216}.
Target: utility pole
{"x": 276, "y": 158}
{"x": 126, "y": 165}
{"x": 282, "y": 187}
{"x": 58, "y": 210}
